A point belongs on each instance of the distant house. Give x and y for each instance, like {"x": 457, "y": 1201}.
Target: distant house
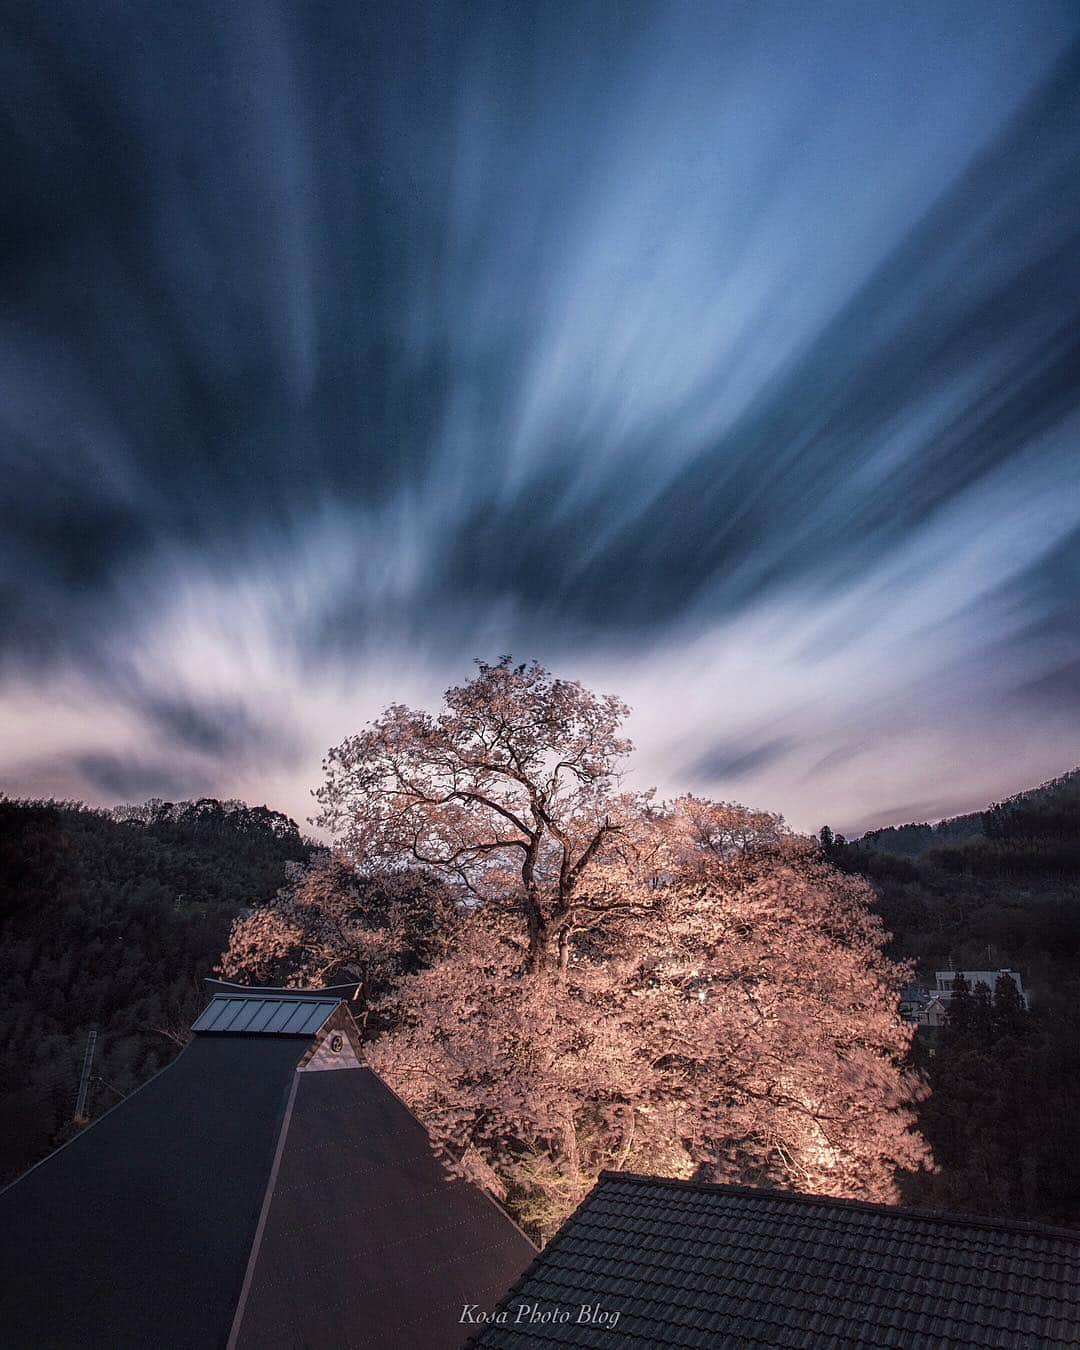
{"x": 928, "y": 1009}
{"x": 935, "y": 1012}
{"x": 649, "y": 1262}
{"x": 944, "y": 979}
{"x": 265, "y": 1191}
{"x": 913, "y": 1002}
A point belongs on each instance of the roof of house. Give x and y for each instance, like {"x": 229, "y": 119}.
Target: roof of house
{"x": 264, "y": 1190}
{"x": 264, "y": 1014}
{"x": 689, "y": 1264}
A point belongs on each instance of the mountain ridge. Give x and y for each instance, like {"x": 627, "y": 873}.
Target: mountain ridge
{"x": 916, "y": 838}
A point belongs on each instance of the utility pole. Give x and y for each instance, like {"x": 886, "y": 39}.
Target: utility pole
{"x": 84, "y": 1081}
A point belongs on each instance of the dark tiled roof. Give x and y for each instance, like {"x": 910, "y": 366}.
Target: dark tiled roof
{"x": 684, "y": 1264}
{"x": 137, "y": 1232}
{"x": 251, "y": 1186}
{"x": 368, "y": 1243}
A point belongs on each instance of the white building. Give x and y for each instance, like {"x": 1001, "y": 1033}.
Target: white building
{"x": 944, "y": 987}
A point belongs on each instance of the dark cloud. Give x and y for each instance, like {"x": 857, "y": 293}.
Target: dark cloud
{"x": 735, "y": 761}
{"x": 1058, "y": 689}
{"x": 834, "y": 759}
{"x": 965, "y": 343}
{"x": 223, "y": 729}
{"x": 557, "y": 327}
{"x": 120, "y": 779}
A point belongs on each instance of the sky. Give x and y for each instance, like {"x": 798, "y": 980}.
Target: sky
{"x": 724, "y": 356}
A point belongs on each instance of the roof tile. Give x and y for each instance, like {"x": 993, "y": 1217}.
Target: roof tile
{"x": 688, "y": 1265}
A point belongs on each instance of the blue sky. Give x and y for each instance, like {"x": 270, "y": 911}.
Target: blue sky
{"x": 724, "y": 356}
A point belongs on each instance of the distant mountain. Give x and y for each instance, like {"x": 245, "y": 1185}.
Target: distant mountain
{"x": 1035, "y": 810}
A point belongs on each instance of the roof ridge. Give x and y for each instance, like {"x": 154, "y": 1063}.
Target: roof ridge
{"x": 1029, "y": 1226}
{"x": 264, "y": 995}
{"x": 229, "y": 988}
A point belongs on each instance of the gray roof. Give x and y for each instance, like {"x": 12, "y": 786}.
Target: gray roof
{"x": 368, "y": 1242}
{"x": 250, "y": 1196}
{"x": 688, "y": 1264}
{"x": 268, "y": 1014}
{"x": 137, "y": 1232}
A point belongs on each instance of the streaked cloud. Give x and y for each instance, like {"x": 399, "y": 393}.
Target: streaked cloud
{"x": 724, "y": 356}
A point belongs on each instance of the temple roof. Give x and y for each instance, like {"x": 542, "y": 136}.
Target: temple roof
{"x": 678, "y": 1263}
{"x": 265, "y": 1191}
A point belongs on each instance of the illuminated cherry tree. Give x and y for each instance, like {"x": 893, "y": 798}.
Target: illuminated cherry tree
{"x": 329, "y": 924}
{"x": 509, "y": 794}
{"x": 684, "y": 989}
{"x": 741, "y": 1026}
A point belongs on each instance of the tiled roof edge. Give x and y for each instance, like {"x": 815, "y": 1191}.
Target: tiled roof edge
{"x": 1028, "y": 1226}
{"x": 556, "y": 1240}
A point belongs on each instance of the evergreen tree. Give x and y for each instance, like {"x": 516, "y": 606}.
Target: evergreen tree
{"x": 982, "y": 1014}
{"x": 960, "y": 1006}
{"x": 1010, "y": 1014}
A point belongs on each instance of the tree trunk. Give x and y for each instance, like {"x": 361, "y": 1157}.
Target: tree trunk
{"x": 539, "y": 938}
{"x": 569, "y": 1151}
{"x": 549, "y": 939}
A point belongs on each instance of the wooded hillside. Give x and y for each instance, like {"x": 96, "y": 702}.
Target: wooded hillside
{"x": 998, "y": 889}
{"x": 113, "y": 919}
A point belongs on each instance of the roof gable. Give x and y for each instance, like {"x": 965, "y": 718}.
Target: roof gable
{"x": 335, "y": 1046}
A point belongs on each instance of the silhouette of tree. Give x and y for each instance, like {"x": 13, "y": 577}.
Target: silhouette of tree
{"x": 960, "y": 1006}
